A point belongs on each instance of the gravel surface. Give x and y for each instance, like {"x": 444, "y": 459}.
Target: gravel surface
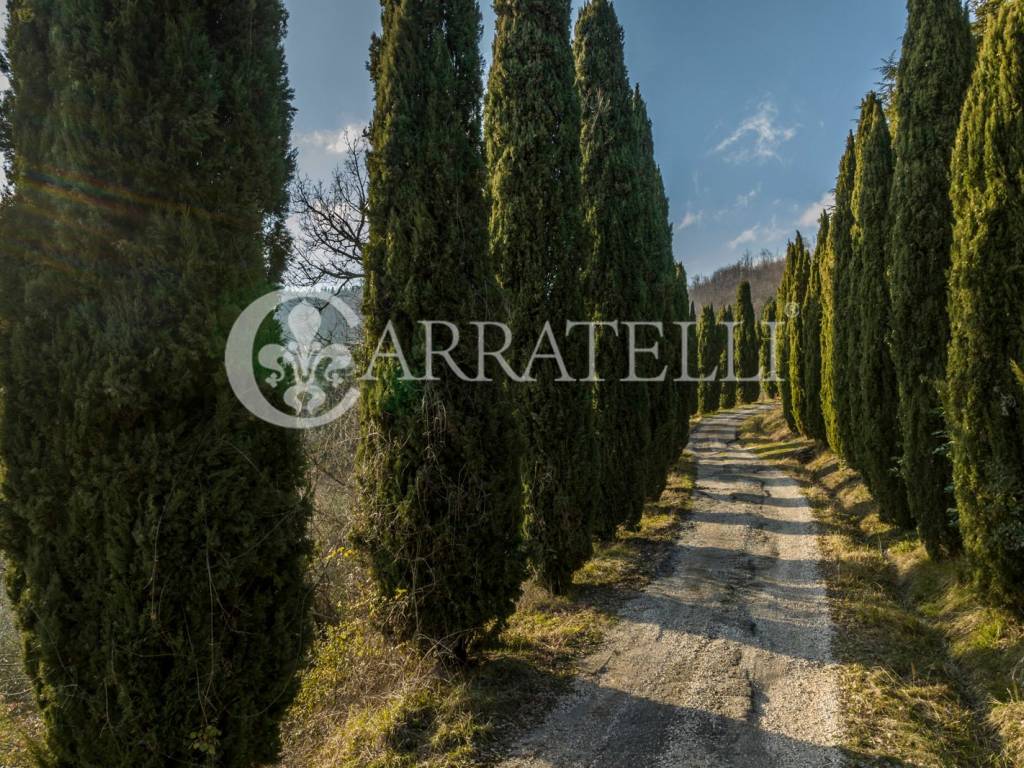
{"x": 725, "y": 662}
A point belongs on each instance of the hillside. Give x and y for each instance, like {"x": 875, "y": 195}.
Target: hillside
{"x": 764, "y": 273}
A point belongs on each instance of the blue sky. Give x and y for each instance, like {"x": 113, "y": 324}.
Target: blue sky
{"x": 751, "y": 102}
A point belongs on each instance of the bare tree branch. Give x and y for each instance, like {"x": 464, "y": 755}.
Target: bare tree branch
{"x": 333, "y": 228}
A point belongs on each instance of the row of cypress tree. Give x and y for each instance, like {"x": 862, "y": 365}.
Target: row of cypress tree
{"x": 909, "y": 328}
{"x": 716, "y": 389}
{"x": 546, "y": 208}
{"x": 154, "y": 531}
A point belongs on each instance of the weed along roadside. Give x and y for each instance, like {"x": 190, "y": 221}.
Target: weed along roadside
{"x": 930, "y": 674}
{"x": 368, "y": 701}
{"x": 512, "y": 384}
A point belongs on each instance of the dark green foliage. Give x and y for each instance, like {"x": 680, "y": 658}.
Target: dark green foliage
{"x": 810, "y": 314}
{"x": 746, "y": 346}
{"x": 934, "y": 72}
{"x": 659, "y": 266}
{"x": 693, "y": 369}
{"x": 835, "y": 310}
{"x": 532, "y": 126}
{"x": 874, "y": 399}
{"x": 729, "y": 389}
{"x": 709, "y": 350}
{"x": 154, "y": 531}
{"x": 614, "y": 193}
{"x": 686, "y": 392}
{"x": 984, "y": 402}
{"x": 441, "y": 508}
{"x": 786, "y": 311}
{"x": 798, "y": 284}
{"x": 769, "y": 385}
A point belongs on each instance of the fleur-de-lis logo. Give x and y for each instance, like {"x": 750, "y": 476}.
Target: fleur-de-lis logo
{"x": 312, "y": 362}
{"x": 310, "y": 359}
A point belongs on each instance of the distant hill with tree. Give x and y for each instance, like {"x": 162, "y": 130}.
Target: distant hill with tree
{"x": 763, "y": 272}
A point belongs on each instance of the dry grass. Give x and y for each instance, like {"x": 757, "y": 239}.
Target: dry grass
{"x": 367, "y": 701}
{"x": 931, "y": 676}
{"x": 20, "y": 725}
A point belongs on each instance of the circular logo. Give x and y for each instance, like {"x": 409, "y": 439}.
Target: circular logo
{"x": 792, "y": 310}
{"x": 307, "y": 365}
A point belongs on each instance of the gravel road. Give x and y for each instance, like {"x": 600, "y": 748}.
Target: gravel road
{"x": 726, "y": 661}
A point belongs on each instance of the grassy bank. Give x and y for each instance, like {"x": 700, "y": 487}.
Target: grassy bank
{"x": 930, "y": 675}
{"x": 20, "y": 726}
{"x": 369, "y": 702}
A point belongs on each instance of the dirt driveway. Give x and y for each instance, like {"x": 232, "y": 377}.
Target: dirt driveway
{"x": 726, "y": 661}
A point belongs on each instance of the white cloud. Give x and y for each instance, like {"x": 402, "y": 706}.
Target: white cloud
{"x": 758, "y": 137}
{"x": 744, "y": 201}
{"x": 691, "y": 219}
{"x": 335, "y": 142}
{"x": 810, "y": 216}
{"x": 760, "y": 235}
{"x": 746, "y": 236}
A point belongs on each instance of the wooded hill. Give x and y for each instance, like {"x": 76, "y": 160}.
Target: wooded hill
{"x": 764, "y": 273}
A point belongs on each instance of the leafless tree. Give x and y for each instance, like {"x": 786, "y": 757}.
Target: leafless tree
{"x": 331, "y": 216}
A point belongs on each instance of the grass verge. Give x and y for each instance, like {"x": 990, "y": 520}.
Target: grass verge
{"x": 931, "y": 676}
{"x": 368, "y": 702}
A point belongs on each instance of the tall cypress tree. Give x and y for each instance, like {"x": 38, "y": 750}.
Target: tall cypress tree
{"x": 532, "y": 126}
{"x": 769, "y": 386}
{"x": 934, "y": 72}
{"x": 984, "y": 403}
{"x": 810, "y": 313}
{"x": 835, "y": 384}
{"x": 154, "y": 531}
{"x": 796, "y": 375}
{"x": 616, "y": 290}
{"x": 784, "y": 310}
{"x": 709, "y": 390}
{"x": 746, "y": 345}
{"x": 729, "y": 389}
{"x": 686, "y": 395}
{"x": 659, "y": 266}
{"x": 692, "y": 348}
{"x": 985, "y": 12}
{"x": 875, "y": 398}
{"x": 441, "y": 508}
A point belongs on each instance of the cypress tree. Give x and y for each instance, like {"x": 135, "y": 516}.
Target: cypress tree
{"x": 796, "y": 374}
{"x": 934, "y": 72}
{"x": 835, "y": 384}
{"x": 616, "y": 290}
{"x": 785, "y": 312}
{"x": 746, "y": 345}
{"x": 709, "y": 350}
{"x": 769, "y": 387}
{"x": 441, "y": 508}
{"x": 154, "y": 531}
{"x": 532, "y": 124}
{"x": 875, "y": 398}
{"x": 659, "y": 266}
{"x": 692, "y": 348}
{"x": 984, "y": 403}
{"x": 985, "y": 12}
{"x": 727, "y": 398}
{"x": 813, "y": 420}
{"x": 686, "y": 392}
